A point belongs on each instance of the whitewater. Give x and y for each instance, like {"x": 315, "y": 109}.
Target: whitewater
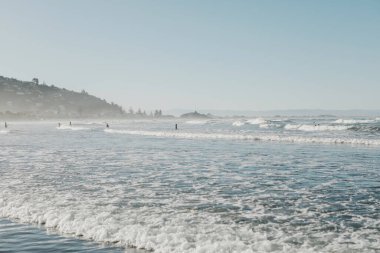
{"x": 307, "y": 184}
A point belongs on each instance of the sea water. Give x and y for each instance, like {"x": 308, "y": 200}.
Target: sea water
{"x": 15, "y": 237}
{"x": 309, "y": 184}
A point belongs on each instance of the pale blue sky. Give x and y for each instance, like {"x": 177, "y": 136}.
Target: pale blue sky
{"x": 242, "y": 55}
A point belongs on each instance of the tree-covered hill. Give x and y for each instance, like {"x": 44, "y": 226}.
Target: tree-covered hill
{"x": 34, "y": 100}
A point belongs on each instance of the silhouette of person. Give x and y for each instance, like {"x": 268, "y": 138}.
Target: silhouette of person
{"x": 176, "y": 126}
{"x": 108, "y": 126}
{"x": 59, "y": 124}
{"x": 70, "y": 123}
{"x": 5, "y": 124}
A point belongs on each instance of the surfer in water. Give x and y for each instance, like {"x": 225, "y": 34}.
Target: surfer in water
{"x": 5, "y": 124}
{"x": 70, "y": 123}
{"x": 108, "y": 126}
{"x": 176, "y": 126}
{"x": 59, "y": 124}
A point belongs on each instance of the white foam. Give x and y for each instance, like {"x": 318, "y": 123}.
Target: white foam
{"x": 278, "y": 138}
{"x": 196, "y": 122}
{"x": 4, "y": 131}
{"x": 93, "y": 123}
{"x": 238, "y": 123}
{"x": 256, "y": 121}
{"x": 98, "y": 207}
{"x": 99, "y": 199}
{"x": 353, "y": 121}
{"x": 74, "y": 128}
{"x": 311, "y": 128}
{"x": 291, "y": 127}
{"x": 271, "y": 125}
{"x": 144, "y": 228}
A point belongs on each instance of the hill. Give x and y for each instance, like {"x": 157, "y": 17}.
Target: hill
{"x": 22, "y": 99}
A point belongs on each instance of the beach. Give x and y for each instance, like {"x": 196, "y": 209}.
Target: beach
{"x": 280, "y": 184}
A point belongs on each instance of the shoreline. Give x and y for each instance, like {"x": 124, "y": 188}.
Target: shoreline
{"x": 25, "y": 237}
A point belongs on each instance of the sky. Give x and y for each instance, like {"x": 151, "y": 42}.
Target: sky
{"x": 235, "y": 55}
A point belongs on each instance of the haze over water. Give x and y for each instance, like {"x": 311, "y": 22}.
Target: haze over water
{"x": 217, "y": 185}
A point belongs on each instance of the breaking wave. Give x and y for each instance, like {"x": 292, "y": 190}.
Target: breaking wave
{"x": 238, "y": 123}
{"x": 278, "y": 138}
{"x": 140, "y": 228}
{"x": 256, "y": 121}
{"x": 173, "y": 195}
{"x": 311, "y": 128}
{"x": 74, "y": 128}
{"x": 353, "y": 121}
{"x": 196, "y": 122}
{"x": 264, "y": 125}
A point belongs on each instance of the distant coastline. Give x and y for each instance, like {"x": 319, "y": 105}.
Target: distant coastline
{"x": 31, "y": 100}
{"x": 282, "y": 113}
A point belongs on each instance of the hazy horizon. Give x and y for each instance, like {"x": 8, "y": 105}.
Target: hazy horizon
{"x": 223, "y": 56}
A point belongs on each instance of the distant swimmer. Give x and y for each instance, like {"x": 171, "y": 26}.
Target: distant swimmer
{"x": 5, "y": 124}
{"x": 108, "y": 126}
{"x": 176, "y": 126}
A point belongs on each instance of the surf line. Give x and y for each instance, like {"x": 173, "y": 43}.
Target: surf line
{"x": 268, "y": 138}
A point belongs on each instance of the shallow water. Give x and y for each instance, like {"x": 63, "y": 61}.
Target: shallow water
{"x": 211, "y": 186}
{"x": 16, "y": 237}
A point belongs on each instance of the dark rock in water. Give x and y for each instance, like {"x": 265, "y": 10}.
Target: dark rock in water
{"x": 196, "y": 115}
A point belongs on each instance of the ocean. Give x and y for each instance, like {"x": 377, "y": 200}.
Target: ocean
{"x": 274, "y": 184}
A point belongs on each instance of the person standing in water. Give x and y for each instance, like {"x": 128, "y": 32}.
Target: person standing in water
{"x": 70, "y": 123}
{"x": 5, "y": 124}
{"x": 176, "y": 126}
{"x": 59, "y": 124}
{"x": 108, "y": 126}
